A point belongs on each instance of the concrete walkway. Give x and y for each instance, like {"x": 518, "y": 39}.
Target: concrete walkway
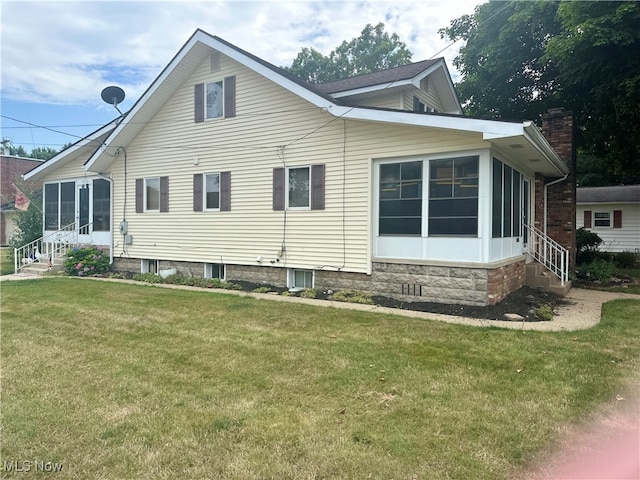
{"x": 583, "y": 309}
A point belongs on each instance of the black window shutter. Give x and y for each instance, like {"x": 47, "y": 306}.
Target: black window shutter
{"x": 617, "y": 219}
{"x": 317, "y": 187}
{"x": 416, "y": 104}
{"x": 197, "y": 192}
{"x": 164, "y": 194}
{"x": 225, "y": 191}
{"x": 139, "y": 195}
{"x": 587, "y": 219}
{"x": 278, "y": 188}
{"x": 230, "y": 97}
{"x": 198, "y": 102}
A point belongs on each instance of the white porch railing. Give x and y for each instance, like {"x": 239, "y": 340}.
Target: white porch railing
{"x": 50, "y": 247}
{"x": 548, "y": 252}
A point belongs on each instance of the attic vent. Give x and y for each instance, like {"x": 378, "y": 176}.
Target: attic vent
{"x": 214, "y": 61}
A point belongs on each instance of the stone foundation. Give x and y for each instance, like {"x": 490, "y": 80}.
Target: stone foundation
{"x": 404, "y": 282}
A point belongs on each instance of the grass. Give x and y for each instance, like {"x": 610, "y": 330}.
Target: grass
{"x": 6, "y": 261}
{"x": 117, "y": 381}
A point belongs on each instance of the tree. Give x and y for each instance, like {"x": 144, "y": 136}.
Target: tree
{"x": 373, "y": 50}
{"x": 43, "y": 153}
{"x": 599, "y": 66}
{"x": 28, "y": 223}
{"x": 522, "y": 58}
{"x": 503, "y": 71}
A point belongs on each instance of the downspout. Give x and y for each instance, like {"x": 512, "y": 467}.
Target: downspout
{"x": 558, "y": 180}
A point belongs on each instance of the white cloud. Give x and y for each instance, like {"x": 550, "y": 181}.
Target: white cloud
{"x": 66, "y": 52}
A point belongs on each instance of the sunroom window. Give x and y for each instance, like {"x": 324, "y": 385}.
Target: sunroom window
{"x": 400, "y": 201}
{"x": 453, "y": 197}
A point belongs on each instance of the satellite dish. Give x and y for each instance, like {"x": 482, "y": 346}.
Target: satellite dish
{"x": 113, "y": 95}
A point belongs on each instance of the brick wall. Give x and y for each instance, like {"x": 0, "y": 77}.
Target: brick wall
{"x": 504, "y": 280}
{"x": 558, "y": 128}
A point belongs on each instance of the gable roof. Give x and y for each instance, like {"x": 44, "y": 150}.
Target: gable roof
{"x": 404, "y": 72}
{"x": 196, "y": 50}
{"x": 84, "y": 147}
{"x": 404, "y": 75}
{"x": 614, "y": 194}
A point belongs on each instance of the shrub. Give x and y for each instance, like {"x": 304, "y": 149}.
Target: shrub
{"x": 261, "y": 290}
{"x": 309, "y": 293}
{"x": 544, "y": 312}
{"x": 625, "y": 259}
{"x": 147, "y": 277}
{"x": 587, "y": 246}
{"x": 599, "y": 269}
{"x": 352, "y": 296}
{"x": 86, "y": 262}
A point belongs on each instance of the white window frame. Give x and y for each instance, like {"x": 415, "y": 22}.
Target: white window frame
{"x": 609, "y": 219}
{"x": 206, "y": 94}
{"x": 146, "y": 204}
{"x": 149, "y": 266}
{"x": 287, "y": 188}
{"x": 204, "y": 191}
{"x": 208, "y": 271}
{"x": 291, "y": 279}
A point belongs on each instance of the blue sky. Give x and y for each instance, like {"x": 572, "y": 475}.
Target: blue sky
{"x": 57, "y": 56}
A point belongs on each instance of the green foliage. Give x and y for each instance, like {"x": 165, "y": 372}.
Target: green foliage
{"x": 28, "y": 223}
{"x": 597, "y": 270}
{"x": 587, "y": 246}
{"x": 41, "y": 153}
{"x": 372, "y": 51}
{"x": 544, "y": 312}
{"x": 177, "y": 279}
{"x": 522, "y": 58}
{"x": 86, "y": 262}
{"x": 261, "y": 290}
{"x": 309, "y": 293}
{"x": 625, "y": 259}
{"x": 147, "y": 278}
{"x": 352, "y": 296}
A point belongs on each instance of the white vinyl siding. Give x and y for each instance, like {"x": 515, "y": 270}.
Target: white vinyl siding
{"x": 626, "y": 238}
{"x": 267, "y": 116}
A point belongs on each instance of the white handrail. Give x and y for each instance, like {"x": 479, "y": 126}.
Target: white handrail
{"x": 548, "y": 252}
{"x": 49, "y": 247}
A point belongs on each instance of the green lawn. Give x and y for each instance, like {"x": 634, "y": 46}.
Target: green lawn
{"x": 6, "y": 262}
{"x": 113, "y": 380}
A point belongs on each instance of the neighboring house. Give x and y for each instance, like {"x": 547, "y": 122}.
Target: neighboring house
{"x": 229, "y": 167}
{"x": 613, "y": 213}
{"x": 11, "y": 170}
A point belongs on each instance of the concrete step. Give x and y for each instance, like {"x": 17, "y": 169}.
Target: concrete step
{"x": 537, "y": 276}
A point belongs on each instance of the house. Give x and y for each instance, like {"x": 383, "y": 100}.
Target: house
{"x": 229, "y": 167}
{"x": 11, "y": 170}
{"x": 613, "y": 213}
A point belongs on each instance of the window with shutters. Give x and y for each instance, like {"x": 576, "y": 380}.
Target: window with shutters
{"x": 212, "y": 192}
{"x": 152, "y": 194}
{"x": 215, "y": 100}
{"x": 299, "y": 188}
{"x": 602, "y": 219}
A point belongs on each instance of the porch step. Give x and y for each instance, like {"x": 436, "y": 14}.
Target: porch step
{"x": 537, "y": 276}
{"x": 41, "y": 267}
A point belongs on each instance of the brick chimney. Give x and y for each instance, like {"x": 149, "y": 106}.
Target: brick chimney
{"x": 558, "y": 129}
